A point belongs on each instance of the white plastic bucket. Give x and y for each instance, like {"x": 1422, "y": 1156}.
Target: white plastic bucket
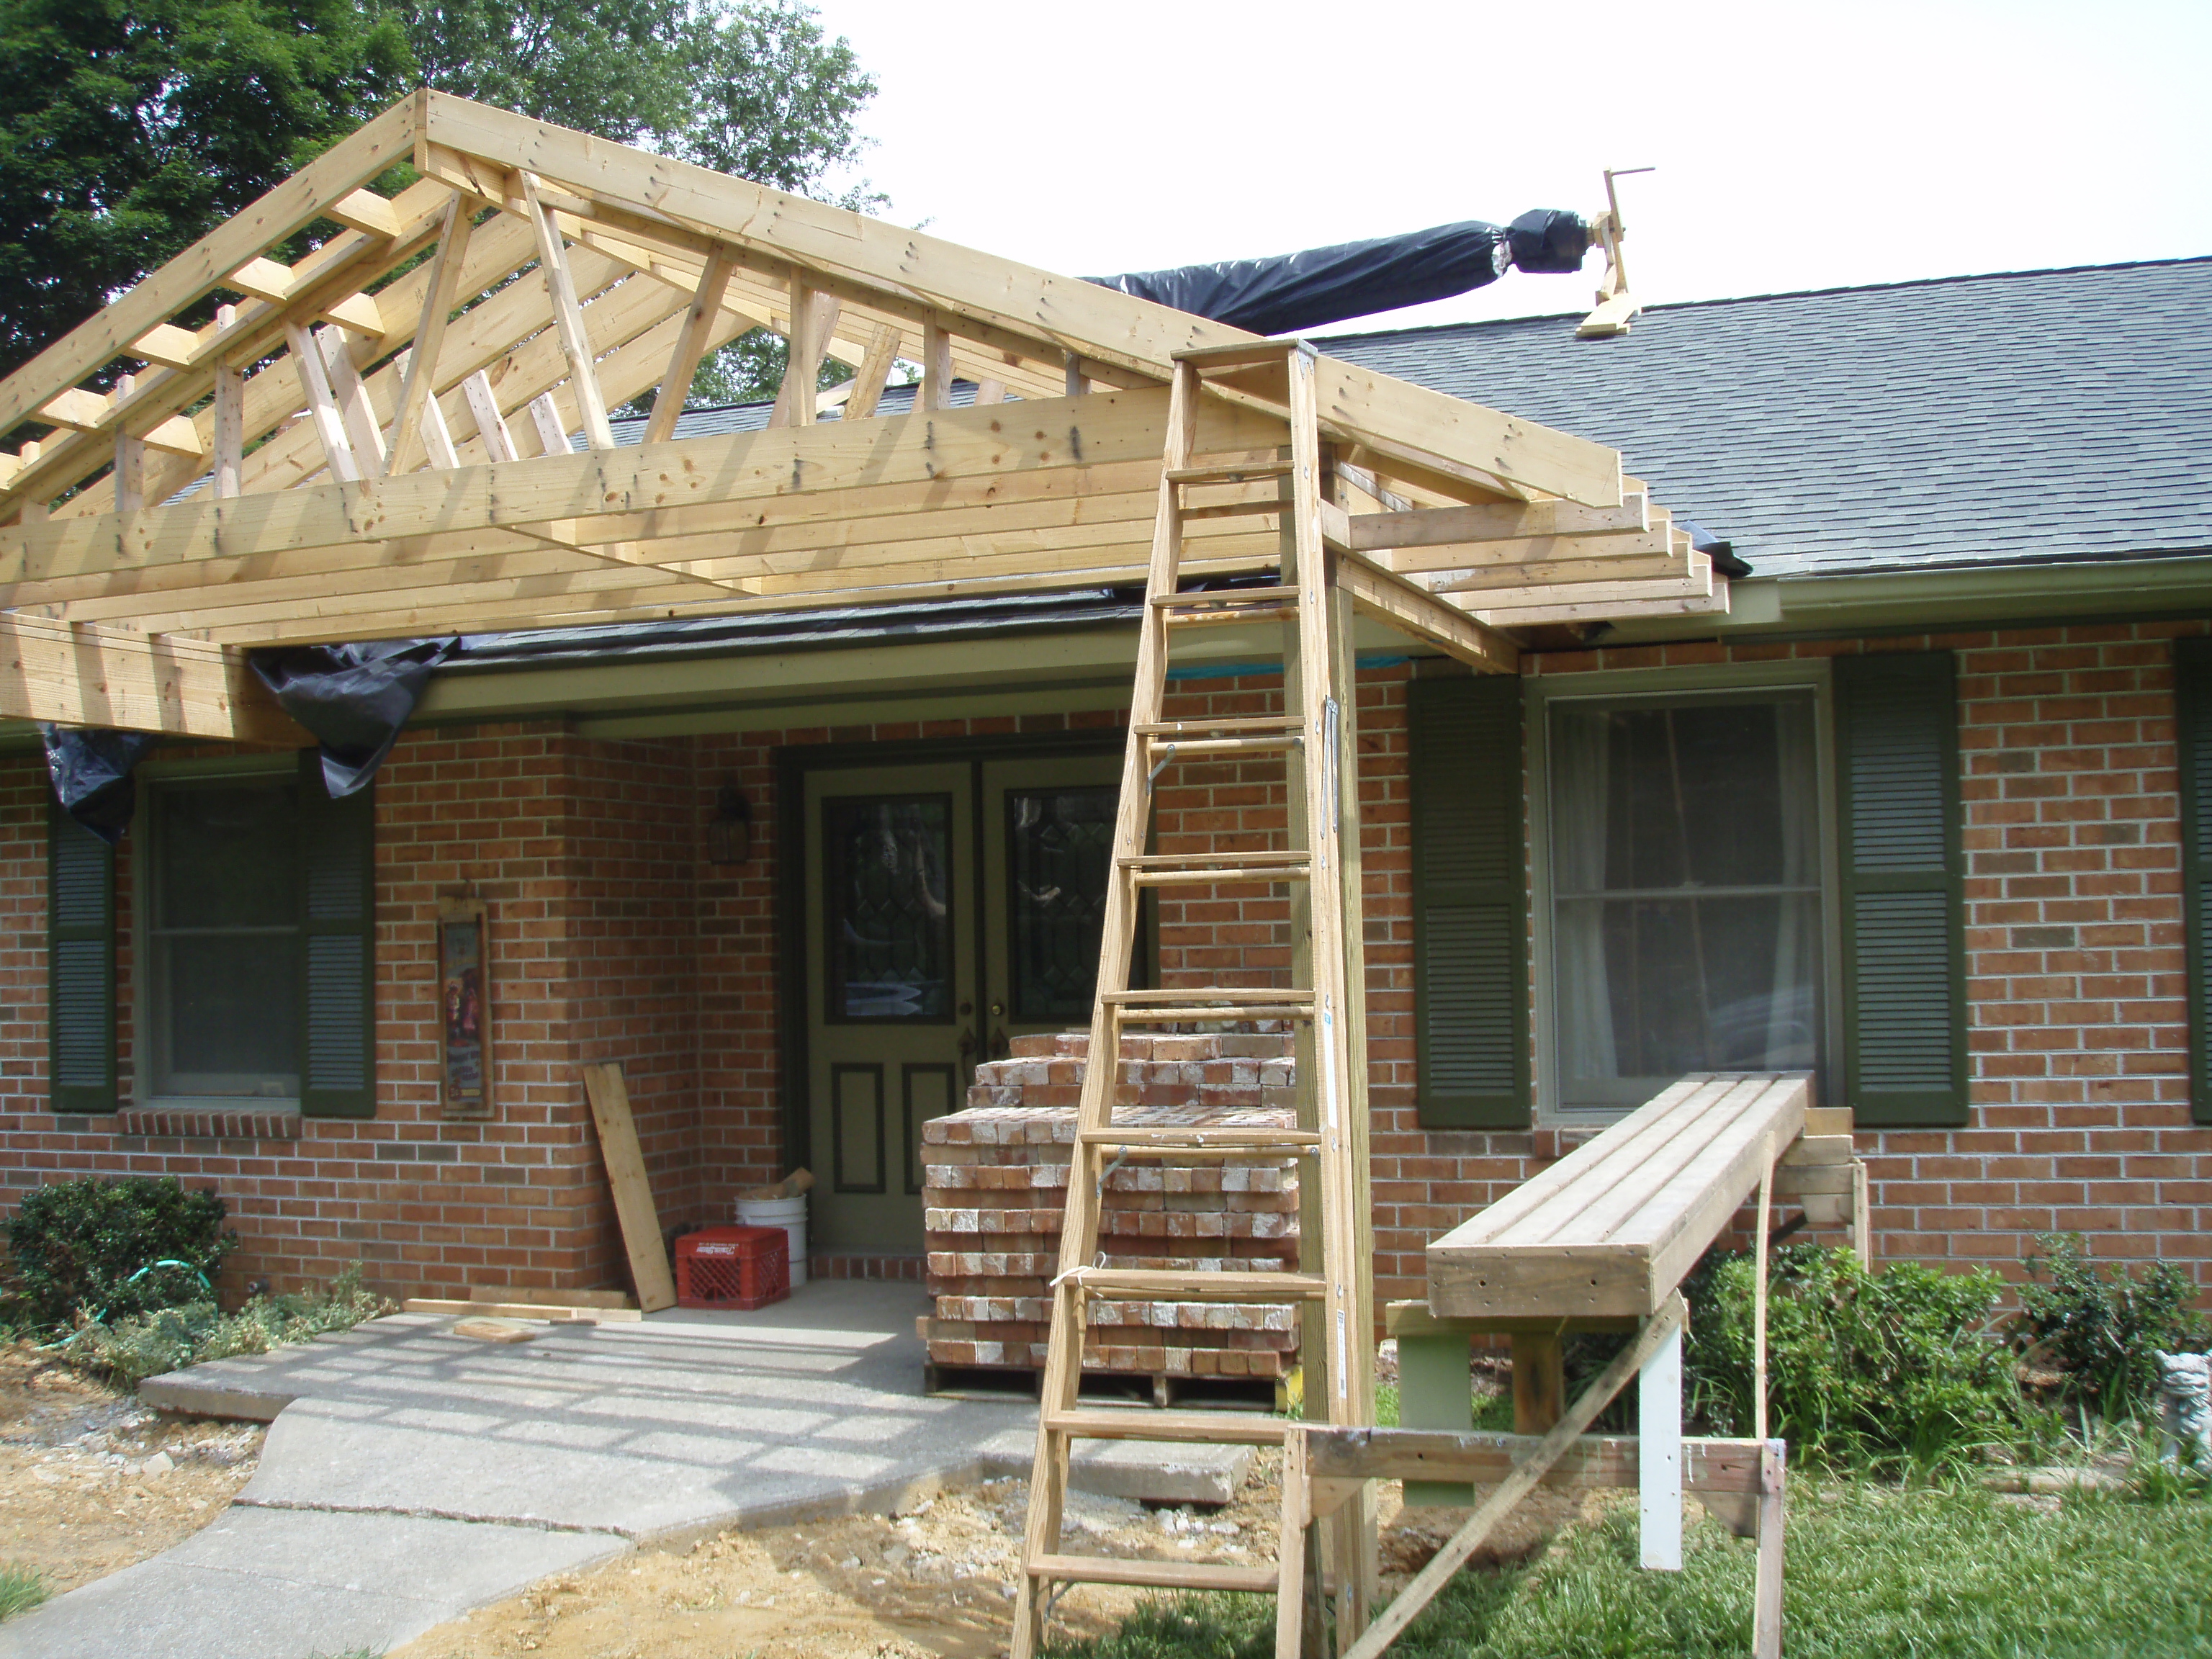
{"x": 789, "y": 1214}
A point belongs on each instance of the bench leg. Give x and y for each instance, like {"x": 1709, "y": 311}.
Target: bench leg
{"x": 1539, "y": 1381}
{"x": 1659, "y": 1454}
{"x": 1436, "y": 1391}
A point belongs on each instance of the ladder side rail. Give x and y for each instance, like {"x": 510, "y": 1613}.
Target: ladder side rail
{"x": 1063, "y": 1371}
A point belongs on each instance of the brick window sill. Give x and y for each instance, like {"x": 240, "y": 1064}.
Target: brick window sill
{"x": 263, "y": 1121}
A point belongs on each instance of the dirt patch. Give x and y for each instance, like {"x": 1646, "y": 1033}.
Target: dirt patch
{"x": 91, "y": 1481}
{"x": 936, "y": 1581}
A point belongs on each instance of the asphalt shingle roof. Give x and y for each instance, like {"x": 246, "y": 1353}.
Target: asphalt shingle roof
{"x": 1975, "y": 420}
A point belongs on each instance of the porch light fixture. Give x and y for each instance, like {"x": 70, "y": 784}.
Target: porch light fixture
{"x": 730, "y": 831}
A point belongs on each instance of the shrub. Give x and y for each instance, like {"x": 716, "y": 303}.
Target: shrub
{"x": 128, "y": 1350}
{"x": 78, "y": 1245}
{"x": 2102, "y": 1329}
{"x": 21, "y": 1590}
{"x": 1895, "y": 1370}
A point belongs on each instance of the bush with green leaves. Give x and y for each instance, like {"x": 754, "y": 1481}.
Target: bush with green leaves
{"x": 1897, "y": 1371}
{"x": 2102, "y": 1329}
{"x": 78, "y": 1247}
{"x": 128, "y": 1350}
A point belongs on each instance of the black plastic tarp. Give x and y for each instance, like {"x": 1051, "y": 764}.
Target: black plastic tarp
{"x": 354, "y": 698}
{"x": 91, "y": 771}
{"x": 1323, "y": 285}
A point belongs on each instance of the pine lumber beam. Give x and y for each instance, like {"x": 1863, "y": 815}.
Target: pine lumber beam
{"x": 290, "y": 205}
{"x": 813, "y": 317}
{"x": 567, "y": 319}
{"x": 363, "y": 431}
{"x": 323, "y": 413}
{"x": 1503, "y": 522}
{"x": 491, "y": 426}
{"x": 130, "y": 461}
{"x": 875, "y": 369}
{"x": 76, "y": 674}
{"x": 1395, "y": 602}
{"x": 418, "y": 387}
{"x": 1714, "y": 604}
{"x": 691, "y": 347}
{"x": 936, "y": 367}
{"x": 903, "y": 450}
{"x": 1689, "y": 576}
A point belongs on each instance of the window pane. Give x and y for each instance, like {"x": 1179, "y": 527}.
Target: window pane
{"x": 226, "y": 856}
{"x": 1062, "y": 848}
{"x": 225, "y": 939}
{"x": 233, "y": 1011}
{"x": 1687, "y": 908}
{"x": 886, "y": 903}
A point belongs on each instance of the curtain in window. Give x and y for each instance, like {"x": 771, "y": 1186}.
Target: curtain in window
{"x": 1686, "y": 884}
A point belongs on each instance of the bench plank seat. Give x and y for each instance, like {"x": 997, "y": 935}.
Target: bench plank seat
{"x": 1611, "y": 1229}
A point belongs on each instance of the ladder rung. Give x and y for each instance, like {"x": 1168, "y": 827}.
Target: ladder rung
{"x": 1142, "y": 1423}
{"x": 1229, "y": 596}
{"x": 1195, "y": 728}
{"x": 1223, "y": 619}
{"x": 1157, "y": 1575}
{"x": 1225, "y": 874}
{"x": 1243, "y": 993}
{"x": 1220, "y": 473}
{"x": 1214, "y": 1011}
{"x": 1230, "y": 510}
{"x": 1168, "y": 1284}
{"x": 1259, "y": 741}
{"x": 1271, "y": 857}
{"x": 1204, "y": 1143}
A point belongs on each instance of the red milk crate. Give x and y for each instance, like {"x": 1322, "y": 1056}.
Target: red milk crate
{"x": 733, "y": 1267}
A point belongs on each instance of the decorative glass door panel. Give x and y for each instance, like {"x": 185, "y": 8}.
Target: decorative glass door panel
{"x": 1049, "y": 847}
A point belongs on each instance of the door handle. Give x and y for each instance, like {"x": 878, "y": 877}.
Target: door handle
{"x": 967, "y": 1041}
{"x": 1000, "y": 1046}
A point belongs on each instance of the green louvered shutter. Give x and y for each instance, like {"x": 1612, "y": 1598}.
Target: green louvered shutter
{"x": 337, "y": 919}
{"x": 1470, "y": 904}
{"x": 80, "y": 965}
{"x": 1903, "y": 889}
{"x": 2192, "y": 707}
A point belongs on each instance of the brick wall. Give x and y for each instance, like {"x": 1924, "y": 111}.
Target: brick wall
{"x": 612, "y": 937}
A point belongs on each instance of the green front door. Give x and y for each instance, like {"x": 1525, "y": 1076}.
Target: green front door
{"x": 954, "y": 906}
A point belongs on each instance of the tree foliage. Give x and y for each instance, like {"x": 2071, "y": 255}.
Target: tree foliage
{"x": 129, "y": 128}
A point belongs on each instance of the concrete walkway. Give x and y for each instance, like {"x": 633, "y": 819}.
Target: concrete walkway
{"x": 411, "y": 1474}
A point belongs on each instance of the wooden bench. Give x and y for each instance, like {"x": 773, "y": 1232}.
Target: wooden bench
{"x": 1599, "y": 1242}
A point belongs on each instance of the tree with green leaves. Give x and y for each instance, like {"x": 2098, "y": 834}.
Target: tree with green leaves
{"x": 129, "y": 128}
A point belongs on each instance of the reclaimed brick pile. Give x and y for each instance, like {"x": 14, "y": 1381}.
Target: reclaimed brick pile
{"x": 998, "y": 1178}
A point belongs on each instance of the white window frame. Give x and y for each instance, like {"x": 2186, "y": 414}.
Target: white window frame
{"x": 142, "y": 931}
{"x": 1661, "y": 685}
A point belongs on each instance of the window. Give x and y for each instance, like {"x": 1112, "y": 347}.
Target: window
{"x": 223, "y": 937}
{"x": 1684, "y": 890}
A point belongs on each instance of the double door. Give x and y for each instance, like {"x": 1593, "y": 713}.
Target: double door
{"x": 952, "y": 907}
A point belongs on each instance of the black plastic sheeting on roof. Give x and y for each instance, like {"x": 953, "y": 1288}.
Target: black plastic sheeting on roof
{"x": 1324, "y": 285}
{"x": 354, "y": 698}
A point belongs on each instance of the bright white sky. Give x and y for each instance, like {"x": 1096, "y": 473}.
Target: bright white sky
{"x": 1798, "y": 146}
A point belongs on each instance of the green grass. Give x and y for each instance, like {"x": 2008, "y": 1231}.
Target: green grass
{"x": 1944, "y": 1573}
{"x": 21, "y": 1590}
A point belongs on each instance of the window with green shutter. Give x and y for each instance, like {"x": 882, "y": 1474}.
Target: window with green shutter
{"x": 1470, "y": 907}
{"x": 1901, "y": 898}
{"x": 80, "y": 966}
{"x": 2192, "y": 707}
{"x": 338, "y": 922}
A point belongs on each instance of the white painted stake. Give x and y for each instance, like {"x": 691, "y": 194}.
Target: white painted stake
{"x": 1659, "y": 1454}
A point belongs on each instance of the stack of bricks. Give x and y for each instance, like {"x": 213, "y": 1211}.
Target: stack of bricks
{"x": 998, "y": 1180}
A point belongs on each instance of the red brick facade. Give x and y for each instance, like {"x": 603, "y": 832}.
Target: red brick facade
{"x": 613, "y": 938}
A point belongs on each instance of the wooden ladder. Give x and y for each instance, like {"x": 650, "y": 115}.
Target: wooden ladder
{"x": 1318, "y": 862}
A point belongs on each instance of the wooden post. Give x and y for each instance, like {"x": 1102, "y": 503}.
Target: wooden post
{"x": 1766, "y": 1586}
{"x": 990, "y": 392}
{"x": 230, "y": 416}
{"x": 437, "y": 438}
{"x": 1659, "y": 1455}
{"x": 1290, "y": 1547}
{"x": 1759, "y": 1307}
{"x": 130, "y": 456}
{"x": 690, "y": 346}
{"x": 936, "y": 367}
{"x": 418, "y": 385}
{"x": 1078, "y": 383}
{"x": 359, "y": 413}
{"x": 813, "y": 316}
{"x": 568, "y": 319}
{"x": 491, "y": 425}
{"x": 33, "y": 509}
{"x": 1861, "y": 1219}
{"x": 875, "y": 369}
{"x": 1539, "y": 1381}
{"x": 552, "y": 440}
{"x": 322, "y": 407}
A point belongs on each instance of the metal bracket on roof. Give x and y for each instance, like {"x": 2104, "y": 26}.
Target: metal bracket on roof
{"x": 1616, "y": 307}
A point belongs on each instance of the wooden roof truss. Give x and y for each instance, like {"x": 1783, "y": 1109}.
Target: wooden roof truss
{"x": 376, "y": 440}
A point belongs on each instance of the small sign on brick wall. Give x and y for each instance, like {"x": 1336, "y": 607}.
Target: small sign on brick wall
{"x": 465, "y": 1069}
